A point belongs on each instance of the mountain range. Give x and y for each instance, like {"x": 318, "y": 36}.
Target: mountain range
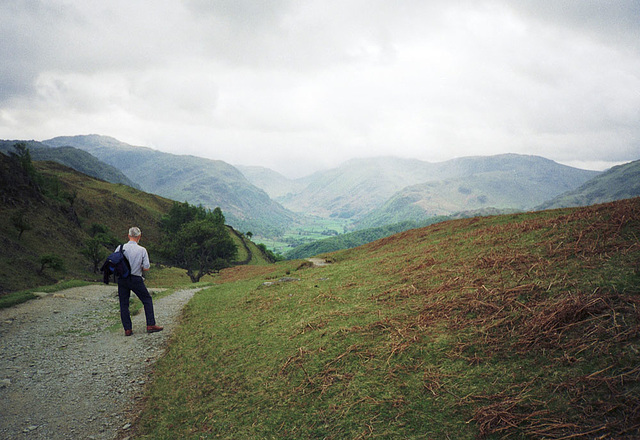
{"x": 370, "y": 192}
{"x": 506, "y": 181}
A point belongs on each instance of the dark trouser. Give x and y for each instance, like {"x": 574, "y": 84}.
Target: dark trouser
{"x": 125, "y": 286}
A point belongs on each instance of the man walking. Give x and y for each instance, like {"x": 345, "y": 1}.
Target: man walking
{"x": 138, "y": 258}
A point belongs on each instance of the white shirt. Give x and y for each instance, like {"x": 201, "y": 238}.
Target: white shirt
{"x": 137, "y": 256}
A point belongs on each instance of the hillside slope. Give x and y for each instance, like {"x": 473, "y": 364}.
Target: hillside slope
{"x": 60, "y": 224}
{"x": 211, "y": 183}
{"x": 517, "y": 326}
{"x": 617, "y": 183}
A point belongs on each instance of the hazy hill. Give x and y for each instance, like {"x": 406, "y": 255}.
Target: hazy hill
{"x": 620, "y": 182}
{"x": 211, "y": 183}
{"x": 357, "y": 186}
{"x": 60, "y": 225}
{"x": 504, "y": 181}
{"x": 74, "y": 158}
{"x": 272, "y": 182}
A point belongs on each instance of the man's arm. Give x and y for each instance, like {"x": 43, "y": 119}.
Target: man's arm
{"x": 146, "y": 265}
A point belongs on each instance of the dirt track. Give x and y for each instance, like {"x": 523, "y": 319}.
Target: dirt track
{"x": 65, "y": 375}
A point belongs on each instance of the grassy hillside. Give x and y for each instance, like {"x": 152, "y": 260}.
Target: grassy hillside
{"x": 60, "y": 224}
{"x": 515, "y": 326}
{"x": 620, "y": 182}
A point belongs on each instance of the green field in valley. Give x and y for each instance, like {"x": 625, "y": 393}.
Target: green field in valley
{"x": 314, "y": 229}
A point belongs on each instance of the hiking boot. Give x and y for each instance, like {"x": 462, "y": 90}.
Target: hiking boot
{"x": 154, "y": 328}
{"x": 128, "y": 332}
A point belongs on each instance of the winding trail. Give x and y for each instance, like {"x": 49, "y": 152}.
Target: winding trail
{"x": 65, "y": 375}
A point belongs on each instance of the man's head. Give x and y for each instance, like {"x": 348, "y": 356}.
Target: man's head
{"x": 135, "y": 233}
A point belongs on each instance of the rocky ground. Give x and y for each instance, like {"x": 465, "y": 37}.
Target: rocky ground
{"x": 66, "y": 372}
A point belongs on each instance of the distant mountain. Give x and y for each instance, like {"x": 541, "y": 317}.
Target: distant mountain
{"x": 357, "y": 186}
{"x": 617, "y": 183}
{"x": 389, "y": 190}
{"x": 506, "y": 181}
{"x": 211, "y": 183}
{"x": 272, "y": 182}
{"x": 74, "y": 158}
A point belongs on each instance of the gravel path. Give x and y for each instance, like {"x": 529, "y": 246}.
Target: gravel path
{"x": 65, "y": 375}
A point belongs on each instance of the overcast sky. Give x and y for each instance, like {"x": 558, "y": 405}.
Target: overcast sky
{"x": 298, "y": 86}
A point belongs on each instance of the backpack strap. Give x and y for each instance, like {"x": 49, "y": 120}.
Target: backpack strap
{"x": 126, "y": 260}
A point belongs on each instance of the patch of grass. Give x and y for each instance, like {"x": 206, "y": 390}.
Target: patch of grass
{"x": 518, "y": 326}
{"x": 14, "y": 298}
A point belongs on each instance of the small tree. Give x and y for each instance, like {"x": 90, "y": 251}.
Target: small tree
{"x": 249, "y": 234}
{"x": 197, "y": 240}
{"x": 22, "y": 156}
{"x": 201, "y": 249}
{"x": 97, "y": 228}
{"x": 51, "y": 261}
{"x": 95, "y": 252}
{"x": 20, "y": 222}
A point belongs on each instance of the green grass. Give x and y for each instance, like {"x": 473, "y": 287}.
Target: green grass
{"x": 14, "y": 298}
{"x": 519, "y": 326}
{"x": 312, "y": 230}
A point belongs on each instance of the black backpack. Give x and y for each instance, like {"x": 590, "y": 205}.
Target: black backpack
{"x": 117, "y": 265}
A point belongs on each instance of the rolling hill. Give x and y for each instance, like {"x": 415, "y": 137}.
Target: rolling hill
{"x": 617, "y": 183}
{"x": 363, "y": 236}
{"x": 211, "y": 183}
{"x": 501, "y": 182}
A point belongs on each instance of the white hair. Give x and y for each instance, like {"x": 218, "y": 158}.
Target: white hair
{"x": 135, "y": 232}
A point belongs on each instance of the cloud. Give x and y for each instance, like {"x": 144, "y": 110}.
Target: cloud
{"x": 614, "y": 22}
{"x": 299, "y": 85}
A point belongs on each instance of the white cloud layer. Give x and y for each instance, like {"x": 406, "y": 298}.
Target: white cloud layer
{"x": 300, "y": 85}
